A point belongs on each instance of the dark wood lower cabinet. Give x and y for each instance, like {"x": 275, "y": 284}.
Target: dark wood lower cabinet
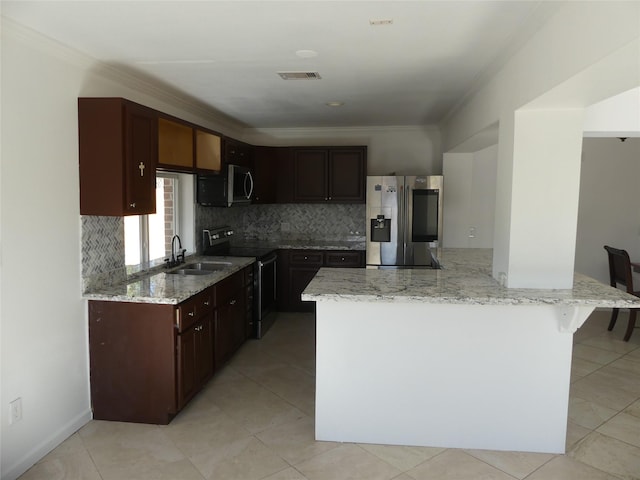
{"x": 230, "y": 317}
{"x": 148, "y": 360}
{"x": 132, "y": 361}
{"x": 194, "y": 359}
{"x": 296, "y": 269}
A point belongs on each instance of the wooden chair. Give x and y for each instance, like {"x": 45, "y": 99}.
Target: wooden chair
{"x": 620, "y": 274}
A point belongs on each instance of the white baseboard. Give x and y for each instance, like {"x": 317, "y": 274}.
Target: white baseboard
{"x": 31, "y": 457}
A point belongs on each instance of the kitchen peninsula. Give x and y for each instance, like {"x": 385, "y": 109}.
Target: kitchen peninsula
{"x": 447, "y": 358}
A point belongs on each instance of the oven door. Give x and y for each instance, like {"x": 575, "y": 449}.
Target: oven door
{"x": 266, "y": 294}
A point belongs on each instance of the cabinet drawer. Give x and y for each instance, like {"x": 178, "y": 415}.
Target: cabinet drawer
{"x": 307, "y": 258}
{"x": 343, "y": 259}
{"x": 191, "y": 310}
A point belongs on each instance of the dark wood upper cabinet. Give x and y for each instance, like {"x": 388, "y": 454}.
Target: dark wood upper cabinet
{"x": 347, "y": 174}
{"x": 311, "y": 169}
{"x": 238, "y": 153}
{"x": 118, "y": 149}
{"x": 265, "y": 172}
{"x": 330, "y": 174}
{"x": 285, "y": 180}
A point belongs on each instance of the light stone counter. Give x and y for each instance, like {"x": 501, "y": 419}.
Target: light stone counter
{"x": 447, "y": 358}
{"x": 465, "y": 279}
{"x": 161, "y": 287}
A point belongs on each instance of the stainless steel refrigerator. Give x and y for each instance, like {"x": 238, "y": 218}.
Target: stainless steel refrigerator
{"x": 404, "y": 221}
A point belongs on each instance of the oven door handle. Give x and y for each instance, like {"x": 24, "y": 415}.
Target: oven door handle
{"x": 267, "y": 262}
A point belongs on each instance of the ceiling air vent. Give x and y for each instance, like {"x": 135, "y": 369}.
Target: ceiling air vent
{"x": 300, "y": 75}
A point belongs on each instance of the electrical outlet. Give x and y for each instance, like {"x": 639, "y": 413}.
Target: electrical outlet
{"x": 15, "y": 410}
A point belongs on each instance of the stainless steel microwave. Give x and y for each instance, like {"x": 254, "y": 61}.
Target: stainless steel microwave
{"x": 234, "y": 187}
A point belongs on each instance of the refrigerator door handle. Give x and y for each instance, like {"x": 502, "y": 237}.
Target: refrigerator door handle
{"x": 407, "y": 213}
{"x": 401, "y": 226}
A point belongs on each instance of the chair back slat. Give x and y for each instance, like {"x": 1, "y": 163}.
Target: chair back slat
{"x": 620, "y": 268}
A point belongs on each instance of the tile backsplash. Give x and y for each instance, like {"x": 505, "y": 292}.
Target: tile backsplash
{"x": 287, "y": 221}
{"x": 103, "y": 250}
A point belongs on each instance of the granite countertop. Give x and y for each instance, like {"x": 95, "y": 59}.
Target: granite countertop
{"x": 161, "y": 287}
{"x": 465, "y": 280}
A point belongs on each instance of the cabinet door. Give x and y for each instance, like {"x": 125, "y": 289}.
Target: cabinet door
{"x": 223, "y": 336}
{"x": 118, "y": 154}
{"x": 186, "y": 362}
{"x": 347, "y": 175}
{"x": 238, "y": 153}
{"x": 141, "y": 143}
{"x": 204, "y": 351}
{"x": 208, "y": 151}
{"x": 265, "y": 169}
{"x": 175, "y": 145}
{"x": 194, "y": 359}
{"x": 310, "y": 175}
{"x": 286, "y": 175}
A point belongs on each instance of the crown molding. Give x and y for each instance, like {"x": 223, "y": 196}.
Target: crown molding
{"x": 339, "y": 131}
{"x": 144, "y": 85}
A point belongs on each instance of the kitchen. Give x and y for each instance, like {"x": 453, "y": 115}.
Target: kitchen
{"x": 48, "y": 168}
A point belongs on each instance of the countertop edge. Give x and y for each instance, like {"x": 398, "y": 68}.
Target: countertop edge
{"x": 167, "y": 289}
{"x": 465, "y": 280}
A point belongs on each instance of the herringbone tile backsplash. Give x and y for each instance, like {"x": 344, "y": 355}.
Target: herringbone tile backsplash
{"x": 102, "y": 250}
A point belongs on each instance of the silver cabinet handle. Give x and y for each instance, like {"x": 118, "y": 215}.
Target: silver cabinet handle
{"x": 191, "y": 314}
{"x": 132, "y": 205}
{"x": 206, "y": 302}
{"x": 232, "y": 302}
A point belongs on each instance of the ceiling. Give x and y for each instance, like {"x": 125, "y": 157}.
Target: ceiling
{"x": 412, "y": 69}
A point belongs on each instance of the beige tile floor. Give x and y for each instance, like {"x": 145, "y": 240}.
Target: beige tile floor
{"x": 254, "y": 420}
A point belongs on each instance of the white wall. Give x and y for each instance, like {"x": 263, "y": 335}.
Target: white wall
{"x": 43, "y": 317}
{"x": 574, "y": 60}
{"x": 469, "y": 198}
{"x": 403, "y": 150}
{"x": 44, "y": 338}
{"x": 609, "y": 208}
{"x": 618, "y": 116}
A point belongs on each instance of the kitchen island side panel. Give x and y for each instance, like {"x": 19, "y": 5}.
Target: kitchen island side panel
{"x": 462, "y": 376}
{"x": 132, "y": 350}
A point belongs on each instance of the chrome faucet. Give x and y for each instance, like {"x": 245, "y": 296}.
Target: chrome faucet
{"x": 176, "y": 259}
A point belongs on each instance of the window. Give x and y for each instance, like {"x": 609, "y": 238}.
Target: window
{"x": 148, "y": 237}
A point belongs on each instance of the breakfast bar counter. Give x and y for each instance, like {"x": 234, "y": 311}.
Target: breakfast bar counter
{"x": 447, "y": 358}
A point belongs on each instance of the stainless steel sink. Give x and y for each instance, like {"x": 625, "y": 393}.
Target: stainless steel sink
{"x": 200, "y": 268}
{"x": 208, "y": 266}
{"x": 190, "y": 271}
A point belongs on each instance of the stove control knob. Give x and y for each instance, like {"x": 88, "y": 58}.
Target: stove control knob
{"x": 215, "y": 236}
{"x": 229, "y": 233}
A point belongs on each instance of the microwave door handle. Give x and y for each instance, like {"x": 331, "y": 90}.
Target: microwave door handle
{"x": 250, "y": 178}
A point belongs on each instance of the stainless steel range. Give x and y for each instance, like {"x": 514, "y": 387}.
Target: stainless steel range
{"x": 219, "y": 241}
